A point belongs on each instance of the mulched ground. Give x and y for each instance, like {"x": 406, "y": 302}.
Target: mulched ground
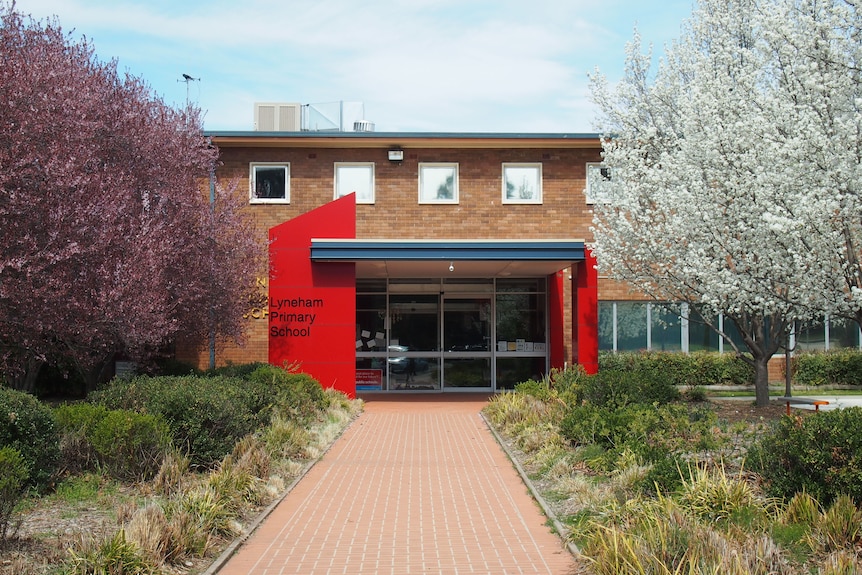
{"x": 734, "y": 410}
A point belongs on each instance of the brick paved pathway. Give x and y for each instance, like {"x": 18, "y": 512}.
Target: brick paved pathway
{"x": 416, "y": 485}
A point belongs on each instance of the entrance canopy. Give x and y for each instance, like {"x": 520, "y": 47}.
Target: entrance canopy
{"x": 399, "y": 258}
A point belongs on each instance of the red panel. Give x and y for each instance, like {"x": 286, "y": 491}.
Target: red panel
{"x": 556, "y": 321}
{"x": 586, "y": 306}
{"x": 312, "y": 305}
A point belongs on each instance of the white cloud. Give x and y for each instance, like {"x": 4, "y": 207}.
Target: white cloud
{"x": 438, "y": 65}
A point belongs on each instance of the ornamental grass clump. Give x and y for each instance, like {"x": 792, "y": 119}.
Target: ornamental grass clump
{"x": 802, "y": 509}
{"x": 840, "y": 526}
{"x": 660, "y": 536}
{"x": 115, "y": 555}
{"x": 710, "y": 494}
{"x": 148, "y": 530}
{"x": 172, "y": 472}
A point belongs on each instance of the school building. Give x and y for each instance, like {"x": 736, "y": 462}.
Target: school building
{"x": 433, "y": 261}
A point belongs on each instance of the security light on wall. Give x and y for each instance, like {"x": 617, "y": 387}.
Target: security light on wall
{"x": 396, "y": 155}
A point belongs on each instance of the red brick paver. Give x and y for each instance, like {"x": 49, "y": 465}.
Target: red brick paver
{"x": 416, "y": 485}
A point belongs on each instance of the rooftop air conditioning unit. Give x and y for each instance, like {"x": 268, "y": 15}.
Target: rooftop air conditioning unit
{"x": 277, "y": 117}
{"x": 363, "y": 126}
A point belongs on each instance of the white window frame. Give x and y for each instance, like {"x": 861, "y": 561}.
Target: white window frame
{"x": 252, "y": 182}
{"x": 596, "y": 174}
{"x": 426, "y": 169}
{"x": 364, "y": 189}
{"x": 517, "y": 174}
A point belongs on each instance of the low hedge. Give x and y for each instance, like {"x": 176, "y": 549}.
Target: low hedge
{"x": 681, "y": 369}
{"x": 840, "y": 367}
{"x": 208, "y": 414}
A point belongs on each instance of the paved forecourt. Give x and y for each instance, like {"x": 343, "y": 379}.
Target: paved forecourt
{"x": 417, "y": 484}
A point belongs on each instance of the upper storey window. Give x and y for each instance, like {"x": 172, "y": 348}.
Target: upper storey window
{"x": 269, "y": 183}
{"x": 598, "y": 183}
{"x": 355, "y": 177}
{"x": 438, "y": 183}
{"x": 522, "y": 183}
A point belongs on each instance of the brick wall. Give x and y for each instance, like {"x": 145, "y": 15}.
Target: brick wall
{"x": 397, "y": 214}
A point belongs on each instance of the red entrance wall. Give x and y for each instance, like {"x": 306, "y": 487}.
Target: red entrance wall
{"x": 556, "y": 321}
{"x": 312, "y": 305}
{"x": 585, "y": 332}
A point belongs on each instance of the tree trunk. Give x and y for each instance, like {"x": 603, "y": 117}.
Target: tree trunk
{"x": 26, "y": 379}
{"x": 761, "y": 381}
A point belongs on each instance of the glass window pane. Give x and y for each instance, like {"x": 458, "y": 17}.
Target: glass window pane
{"x": 843, "y": 333}
{"x": 731, "y": 330}
{"x": 514, "y": 370}
{"x": 598, "y": 183}
{"x": 358, "y": 178}
{"x": 415, "y": 321}
{"x": 666, "y": 328}
{"x": 370, "y": 327}
{"x": 521, "y": 285}
{"x": 270, "y": 183}
{"x": 521, "y": 317}
{"x": 522, "y": 183}
{"x": 701, "y": 337}
{"x": 370, "y": 285}
{"x": 811, "y": 337}
{"x": 411, "y": 371}
{"x": 606, "y": 325}
{"x": 467, "y": 324}
{"x": 370, "y": 373}
{"x": 631, "y": 326}
{"x": 438, "y": 183}
{"x": 467, "y": 372}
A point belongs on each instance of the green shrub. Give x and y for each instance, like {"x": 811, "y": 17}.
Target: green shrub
{"x": 841, "y": 367}
{"x": 295, "y": 393}
{"x": 79, "y": 417}
{"x": 614, "y": 389}
{"x": 539, "y": 389}
{"x": 131, "y": 445}
{"x": 657, "y": 435}
{"x": 12, "y": 484}
{"x": 664, "y": 476}
{"x": 820, "y": 454}
{"x": 28, "y": 426}
{"x": 76, "y": 423}
{"x": 206, "y": 415}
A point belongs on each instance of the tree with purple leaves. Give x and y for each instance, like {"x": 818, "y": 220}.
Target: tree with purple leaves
{"x": 111, "y": 241}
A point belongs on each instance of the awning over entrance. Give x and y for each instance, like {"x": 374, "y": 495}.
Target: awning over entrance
{"x": 399, "y": 258}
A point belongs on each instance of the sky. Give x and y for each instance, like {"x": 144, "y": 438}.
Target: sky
{"x": 497, "y": 66}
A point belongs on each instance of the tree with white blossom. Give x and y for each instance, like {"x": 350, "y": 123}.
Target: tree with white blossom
{"x": 723, "y": 193}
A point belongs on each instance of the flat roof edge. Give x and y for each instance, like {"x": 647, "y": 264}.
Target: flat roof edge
{"x": 424, "y": 250}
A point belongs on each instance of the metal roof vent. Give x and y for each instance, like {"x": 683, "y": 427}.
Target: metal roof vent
{"x": 363, "y": 126}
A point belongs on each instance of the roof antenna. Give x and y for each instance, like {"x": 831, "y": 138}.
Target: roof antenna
{"x": 187, "y": 79}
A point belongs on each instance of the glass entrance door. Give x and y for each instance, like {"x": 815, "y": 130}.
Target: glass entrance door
{"x": 467, "y": 342}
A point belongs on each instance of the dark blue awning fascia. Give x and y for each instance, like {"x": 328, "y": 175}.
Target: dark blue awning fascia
{"x": 356, "y": 250}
